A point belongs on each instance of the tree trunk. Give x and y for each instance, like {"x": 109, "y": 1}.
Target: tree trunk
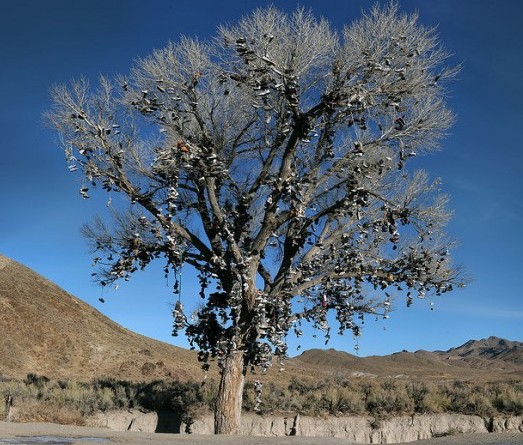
{"x": 8, "y": 406}
{"x": 228, "y": 409}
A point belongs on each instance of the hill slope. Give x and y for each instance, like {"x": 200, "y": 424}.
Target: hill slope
{"x": 47, "y": 331}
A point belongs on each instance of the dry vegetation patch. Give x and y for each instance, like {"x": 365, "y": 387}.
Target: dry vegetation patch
{"x": 39, "y": 399}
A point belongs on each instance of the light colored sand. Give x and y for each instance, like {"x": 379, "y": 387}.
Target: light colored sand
{"x": 8, "y": 430}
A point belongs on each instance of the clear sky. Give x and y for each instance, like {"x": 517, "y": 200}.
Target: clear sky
{"x": 481, "y": 164}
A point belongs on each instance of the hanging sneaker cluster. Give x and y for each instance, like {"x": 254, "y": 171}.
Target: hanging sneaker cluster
{"x": 257, "y": 395}
{"x": 179, "y": 319}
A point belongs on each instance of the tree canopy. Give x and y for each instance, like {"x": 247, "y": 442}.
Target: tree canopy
{"x": 272, "y": 159}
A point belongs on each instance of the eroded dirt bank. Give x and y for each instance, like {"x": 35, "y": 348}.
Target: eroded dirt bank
{"x": 85, "y": 435}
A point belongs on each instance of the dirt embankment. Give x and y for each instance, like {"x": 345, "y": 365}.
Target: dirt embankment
{"x": 85, "y": 435}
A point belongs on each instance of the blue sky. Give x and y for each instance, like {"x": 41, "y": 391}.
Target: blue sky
{"x": 481, "y": 164}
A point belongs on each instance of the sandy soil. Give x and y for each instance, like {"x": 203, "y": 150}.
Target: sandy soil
{"x": 85, "y": 435}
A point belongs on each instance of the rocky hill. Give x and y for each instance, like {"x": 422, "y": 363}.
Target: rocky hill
{"x": 487, "y": 350}
{"x": 46, "y": 331}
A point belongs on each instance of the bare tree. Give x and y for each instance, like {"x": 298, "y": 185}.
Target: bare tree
{"x": 272, "y": 160}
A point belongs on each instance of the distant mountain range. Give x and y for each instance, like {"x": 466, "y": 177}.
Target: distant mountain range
{"x": 490, "y": 359}
{"x": 47, "y": 331}
{"x": 487, "y": 350}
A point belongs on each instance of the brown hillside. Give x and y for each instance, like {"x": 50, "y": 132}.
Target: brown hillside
{"x": 45, "y": 330}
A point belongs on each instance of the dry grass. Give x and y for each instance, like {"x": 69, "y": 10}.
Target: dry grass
{"x": 49, "y": 413}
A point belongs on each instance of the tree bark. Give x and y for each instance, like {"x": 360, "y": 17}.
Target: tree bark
{"x": 228, "y": 408}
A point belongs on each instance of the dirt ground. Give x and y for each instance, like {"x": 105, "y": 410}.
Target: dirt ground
{"x": 71, "y": 435}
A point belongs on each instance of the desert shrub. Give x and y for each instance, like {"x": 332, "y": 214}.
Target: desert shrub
{"x": 480, "y": 405}
{"x": 471, "y": 399}
{"x": 275, "y": 398}
{"x": 343, "y": 400}
{"x": 508, "y": 399}
{"x": 123, "y": 392}
{"x": 389, "y": 385}
{"x": 105, "y": 398}
{"x": 170, "y": 396}
{"x": 436, "y": 401}
{"x": 21, "y": 391}
{"x": 375, "y": 399}
{"x": 81, "y": 398}
{"x": 332, "y": 401}
{"x": 86, "y": 399}
{"x": 386, "y": 399}
{"x": 311, "y": 403}
{"x": 249, "y": 396}
{"x": 209, "y": 390}
{"x": 417, "y": 392}
{"x": 36, "y": 380}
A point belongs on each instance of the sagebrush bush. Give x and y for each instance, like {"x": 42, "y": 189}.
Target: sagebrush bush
{"x": 435, "y": 402}
{"x": 387, "y": 399}
{"x": 509, "y": 398}
{"x": 417, "y": 393}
